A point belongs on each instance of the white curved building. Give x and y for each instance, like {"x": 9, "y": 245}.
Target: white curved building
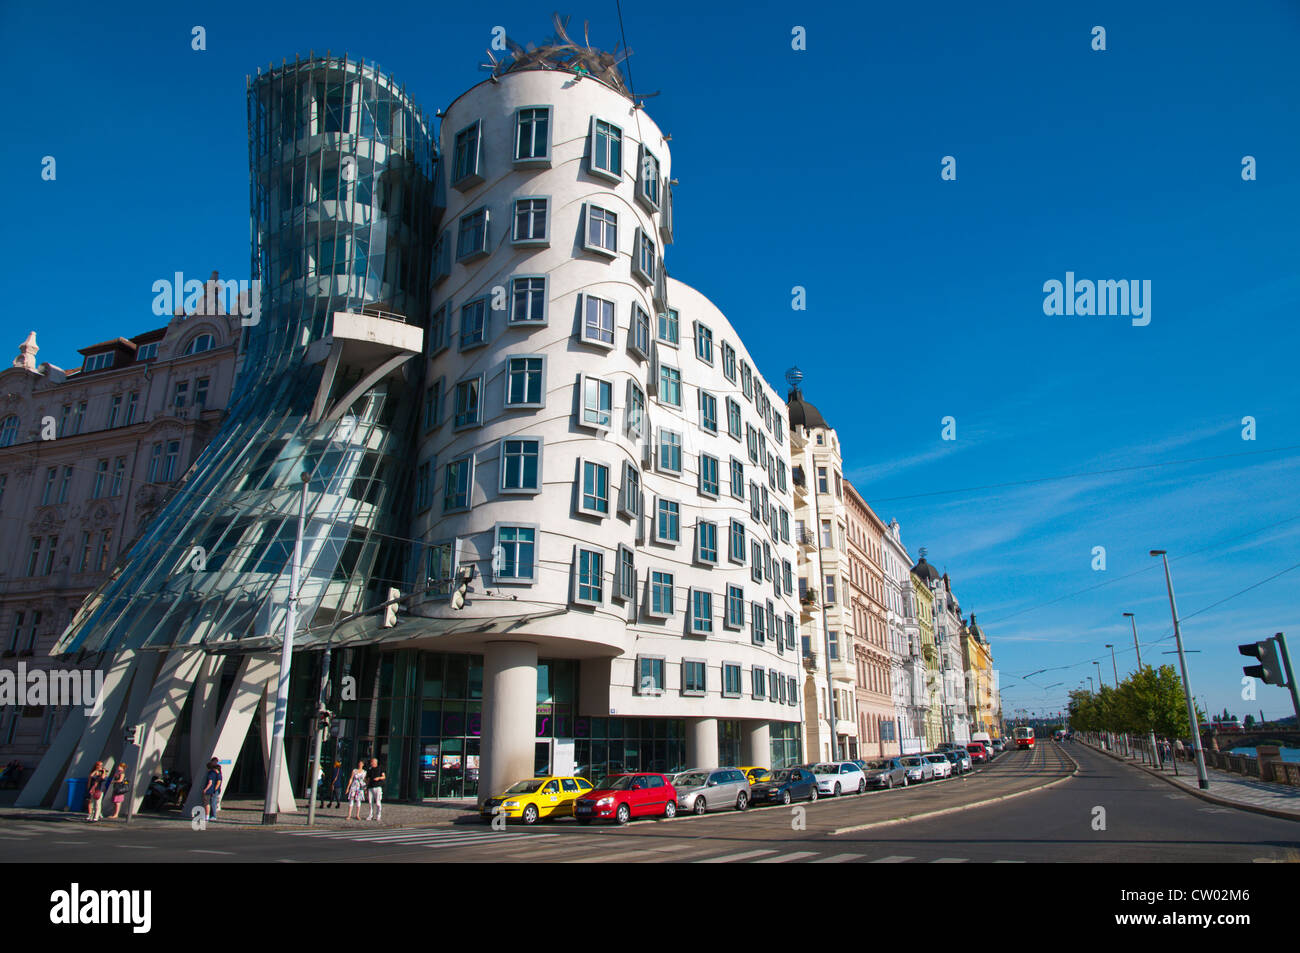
{"x": 596, "y": 443}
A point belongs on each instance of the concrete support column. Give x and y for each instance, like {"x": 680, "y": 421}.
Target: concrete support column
{"x": 509, "y": 715}
{"x": 702, "y": 742}
{"x": 757, "y": 744}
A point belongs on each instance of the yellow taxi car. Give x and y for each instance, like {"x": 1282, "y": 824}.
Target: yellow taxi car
{"x": 536, "y": 798}
{"x": 755, "y": 775}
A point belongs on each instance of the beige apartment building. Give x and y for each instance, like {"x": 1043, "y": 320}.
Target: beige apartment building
{"x": 869, "y": 621}
{"x": 87, "y": 456}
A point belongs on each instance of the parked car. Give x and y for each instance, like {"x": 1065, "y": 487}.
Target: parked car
{"x": 942, "y": 766}
{"x": 621, "y": 797}
{"x": 884, "y": 773}
{"x": 536, "y": 798}
{"x": 960, "y": 760}
{"x": 755, "y": 775}
{"x": 837, "y": 777}
{"x": 918, "y": 769}
{"x": 785, "y": 785}
{"x": 978, "y": 753}
{"x": 702, "y": 790}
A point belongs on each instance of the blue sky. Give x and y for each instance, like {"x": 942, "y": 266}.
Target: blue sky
{"x": 821, "y": 168}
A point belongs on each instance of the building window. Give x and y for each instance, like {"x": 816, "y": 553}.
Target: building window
{"x": 438, "y": 330}
{"x": 670, "y": 451}
{"x": 709, "y": 475}
{"x": 467, "y": 157}
{"x": 759, "y": 683}
{"x": 472, "y": 235}
{"x": 644, "y": 255}
{"x": 629, "y": 496}
{"x": 649, "y": 675}
{"x": 733, "y": 418}
{"x": 533, "y": 134}
{"x": 514, "y": 559}
{"x": 647, "y": 189}
{"x": 469, "y": 409}
{"x": 606, "y": 149}
{"x": 693, "y": 670}
{"x": 597, "y": 402}
{"x": 531, "y": 221}
{"x": 456, "y": 491}
{"x": 668, "y": 521}
{"x": 735, "y": 618}
{"x": 473, "y": 324}
{"x": 640, "y": 333}
{"x": 703, "y": 343}
{"x": 736, "y": 545}
{"x": 708, "y": 412}
{"x": 521, "y": 465}
{"x": 528, "y": 300}
{"x": 593, "y": 498}
{"x": 731, "y": 680}
{"x": 669, "y": 327}
{"x": 589, "y": 585}
{"x": 706, "y": 542}
{"x": 597, "y": 321}
{"x": 524, "y": 377}
{"x": 661, "y": 594}
{"x": 625, "y": 585}
{"x": 601, "y": 234}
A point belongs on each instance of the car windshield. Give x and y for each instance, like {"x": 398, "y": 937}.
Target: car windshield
{"x": 826, "y": 769}
{"x": 690, "y": 779}
{"x": 526, "y": 787}
{"x": 911, "y": 762}
{"x": 616, "y": 782}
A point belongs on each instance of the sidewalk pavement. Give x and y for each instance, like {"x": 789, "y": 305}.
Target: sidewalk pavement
{"x": 1232, "y": 790}
{"x": 241, "y": 812}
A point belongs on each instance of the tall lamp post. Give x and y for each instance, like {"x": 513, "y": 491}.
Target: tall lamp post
{"x": 271, "y": 809}
{"x": 1203, "y": 779}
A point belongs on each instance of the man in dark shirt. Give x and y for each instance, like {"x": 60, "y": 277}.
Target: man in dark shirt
{"x": 375, "y": 787}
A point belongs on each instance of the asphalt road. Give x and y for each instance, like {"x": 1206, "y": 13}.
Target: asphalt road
{"x": 1145, "y": 820}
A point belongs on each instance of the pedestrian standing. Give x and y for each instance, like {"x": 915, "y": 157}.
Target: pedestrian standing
{"x": 212, "y": 788}
{"x": 375, "y": 788}
{"x": 95, "y": 791}
{"x": 356, "y": 789}
{"x": 118, "y": 789}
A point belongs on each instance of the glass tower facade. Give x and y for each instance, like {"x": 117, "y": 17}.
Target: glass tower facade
{"x": 342, "y": 171}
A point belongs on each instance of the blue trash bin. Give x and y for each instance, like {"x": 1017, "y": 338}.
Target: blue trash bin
{"x": 77, "y": 793}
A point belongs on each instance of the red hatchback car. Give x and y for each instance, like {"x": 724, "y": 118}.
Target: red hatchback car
{"x": 621, "y": 797}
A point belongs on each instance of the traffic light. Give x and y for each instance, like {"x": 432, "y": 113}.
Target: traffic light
{"x": 1269, "y": 669}
{"x": 390, "y": 610}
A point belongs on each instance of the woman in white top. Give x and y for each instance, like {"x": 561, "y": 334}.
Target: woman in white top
{"x": 357, "y": 789}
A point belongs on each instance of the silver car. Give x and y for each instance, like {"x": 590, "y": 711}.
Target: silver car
{"x": 710, "y": 789}
{"x": 918, "y": 769}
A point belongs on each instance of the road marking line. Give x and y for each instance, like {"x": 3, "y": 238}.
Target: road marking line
{"x": 731, "y": 858}
{"x": 950, "y": 860}
{"x": 836, "y": 859}
{"x": 786, "y": 858}
{"x": 892, "y": 859}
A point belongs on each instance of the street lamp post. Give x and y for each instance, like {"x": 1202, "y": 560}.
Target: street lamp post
{"x": 271, "y": 809}
{"x": 1203, "y": 779}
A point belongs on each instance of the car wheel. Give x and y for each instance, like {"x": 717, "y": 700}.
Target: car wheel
{"x": 862, "y": 786}
{"x": 624, "y": 814}
{"x": 530, "y": 814}
{"x": 837, "y": 789}
{"x": 700, "y": 806}
{"x": 785, "y": 797}
{"x": 670, "y": 810}
{"x": 742, "y": 801}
